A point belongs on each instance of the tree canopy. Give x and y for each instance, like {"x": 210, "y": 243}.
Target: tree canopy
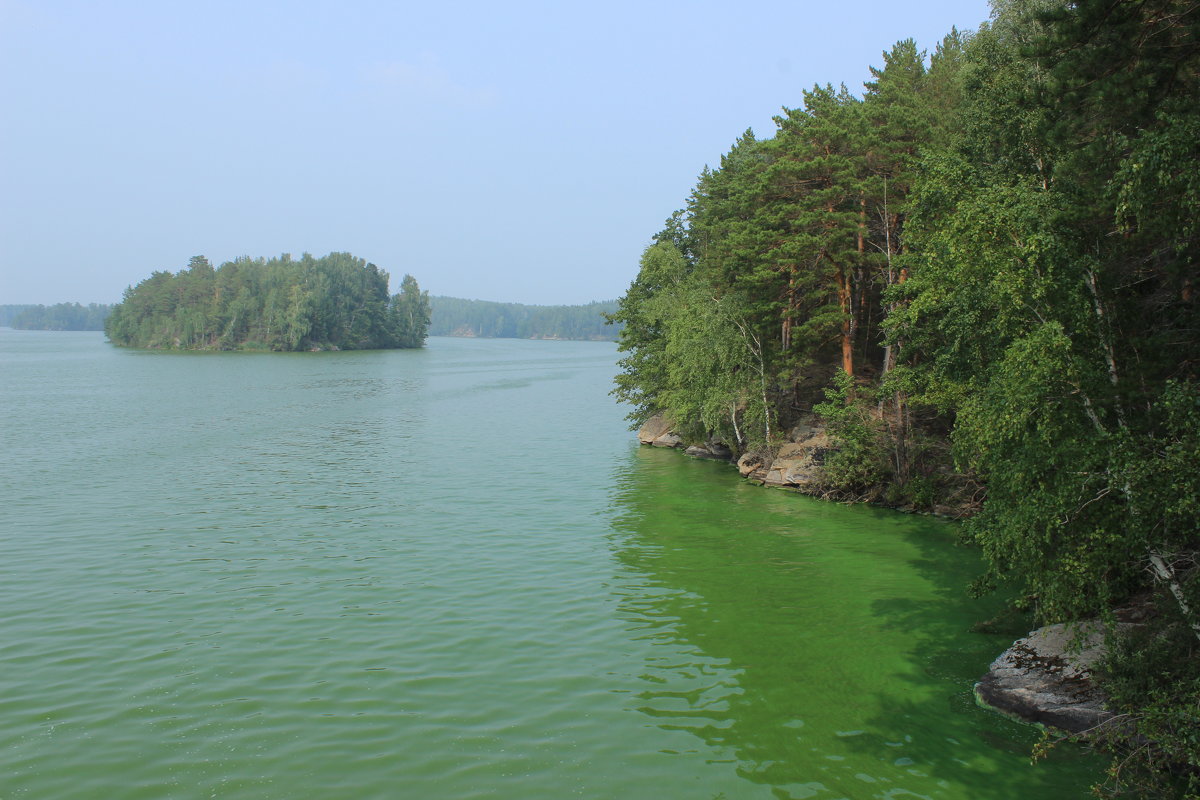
{"x": 334, "y": 302}
{"x": 61, "y": 317}
{"x": 454, "y": 316}
{"x": 982, "y": 272}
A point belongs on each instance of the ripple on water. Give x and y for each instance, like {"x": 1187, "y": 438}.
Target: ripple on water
{"x": 416, "y": 575}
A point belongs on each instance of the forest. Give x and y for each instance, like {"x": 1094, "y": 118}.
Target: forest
{"x": 980, "y": 272}
{"x": 453, "y": 316}
{"x": 333, "y": 302}
{"x": 10, "y": 311}
{"x": 58, "y": 317}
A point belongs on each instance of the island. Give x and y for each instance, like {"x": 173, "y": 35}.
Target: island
{"x": 336, "y": 302}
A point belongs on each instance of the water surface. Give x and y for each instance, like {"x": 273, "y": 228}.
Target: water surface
{"x": 451, "y": 573}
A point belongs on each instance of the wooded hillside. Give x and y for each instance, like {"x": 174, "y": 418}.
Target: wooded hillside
{"x": 981, "y": 269}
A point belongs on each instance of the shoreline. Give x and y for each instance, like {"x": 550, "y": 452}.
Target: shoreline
{"x": 1044, "y": 678}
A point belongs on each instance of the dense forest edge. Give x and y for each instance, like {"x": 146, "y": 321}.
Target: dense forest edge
{"x": 980, "y": 276}
{"x": 452, "y": 316}
{"x": 336, "y": 302}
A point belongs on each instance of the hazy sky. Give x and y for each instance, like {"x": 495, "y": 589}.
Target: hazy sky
{"x": 519, "y": 151}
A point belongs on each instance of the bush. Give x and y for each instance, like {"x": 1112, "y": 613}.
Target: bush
{"x": 859, "y": 466}
{"x": 1152, "y": 677}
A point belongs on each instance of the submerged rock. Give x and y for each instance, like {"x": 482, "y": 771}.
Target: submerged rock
{"x": 1043, "y": 678}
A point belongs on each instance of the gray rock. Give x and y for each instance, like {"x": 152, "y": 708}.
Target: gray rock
{"x": 806, "y": 428}
{"x": 798, "y": 463}
{"x": 668, "y": 440}
{"x": 653, "y": 428}
{"x": 713, "y": 450}
{"x": 720, "y": 450}
{"x": 1041, "y": 678}
{"x": 657, "y": 431}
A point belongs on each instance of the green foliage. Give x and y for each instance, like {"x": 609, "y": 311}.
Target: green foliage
{"x": 452, "y": 316}
{"x": 10, "y": 312}
{"x": 1052, "y": 313}
{"x": 858, "y": 466}
{"x": 1001, "y": 243}
{"x": 62, "y": 317}
{"x": 1152, "y": 676}
{"x": 409, "y": 315}
{"x": 922, "y": 492}
{"x": 779, "y": 266}
{"x": 334, "y": 302}
{"x": 643, "y": 314}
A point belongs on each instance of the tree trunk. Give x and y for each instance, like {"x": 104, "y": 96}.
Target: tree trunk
{"x": 785, "y": 335}
{"x": 843, "y": 289}
{"x": 1166, "y": 573}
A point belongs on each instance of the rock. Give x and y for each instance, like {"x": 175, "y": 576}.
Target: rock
{"x": 798, "y": 463}
{"x": 653, "y": 428}
{"x": 720, "y": 450}
{"x": 750, "y": 463}
{"x": 1041, "y": 678}
{"x": 804, "y": 429}
{"x": 714, "y": 450}
{"x": 657, "y": 431}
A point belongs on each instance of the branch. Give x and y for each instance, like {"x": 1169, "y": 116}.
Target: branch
{"x": 1164, "y": 572}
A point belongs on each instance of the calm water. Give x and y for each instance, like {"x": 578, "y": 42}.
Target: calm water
{"x": 451, "y": 573}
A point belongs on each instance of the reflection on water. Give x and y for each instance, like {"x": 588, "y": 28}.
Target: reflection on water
{"x": 451, "y": 573}
{"x": 824, "y": 650}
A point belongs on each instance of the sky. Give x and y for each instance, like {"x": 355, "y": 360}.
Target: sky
{"x": 519, "y": 152}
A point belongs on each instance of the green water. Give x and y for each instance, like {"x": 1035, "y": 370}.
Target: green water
{"x": 451, "y": 573}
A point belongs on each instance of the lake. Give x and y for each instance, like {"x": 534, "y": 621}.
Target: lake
{"x": 452, "y": 573}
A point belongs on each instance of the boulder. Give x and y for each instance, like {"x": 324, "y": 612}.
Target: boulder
{"x": 653, "y": 428}
{"x": 657, "y": 431}
{"x": 798, "y": 463}
{"x": 714, "y": 450}
{"x": 668, "y": 439}
{"x": 750, "y": 463}
{"x": 1046, "y": 678}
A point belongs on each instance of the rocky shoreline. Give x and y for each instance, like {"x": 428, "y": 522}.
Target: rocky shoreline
{"x": 1046, "y": 678}
{"x": 1043, "y": 678}
{"x": 796, "y": 465}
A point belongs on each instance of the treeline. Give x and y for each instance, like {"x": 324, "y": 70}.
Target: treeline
{"x": 453, "y": 316}
{"x": 10, "y": 312}
{"x": 334, "y": 302}
{"x": 994, "y": 247}
{"x": 58, "y": 317}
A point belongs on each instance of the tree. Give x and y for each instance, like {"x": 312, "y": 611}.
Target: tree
{"x": 337, "y": 301}
{"x": 641, "y": 311}
{"x": 409, "y": 314}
